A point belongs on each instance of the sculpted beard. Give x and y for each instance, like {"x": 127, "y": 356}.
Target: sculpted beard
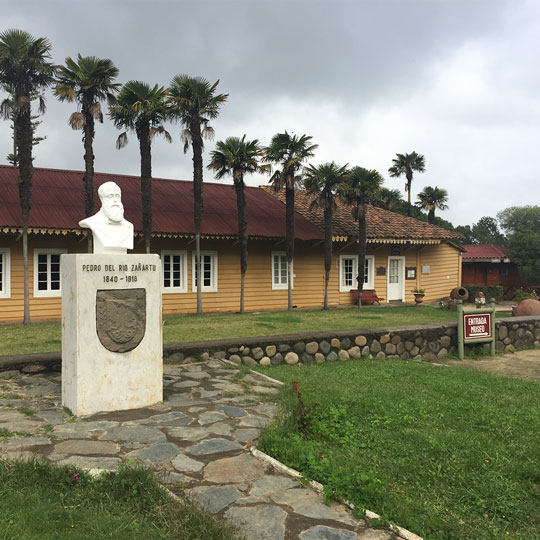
{"x": 115, "y": 212}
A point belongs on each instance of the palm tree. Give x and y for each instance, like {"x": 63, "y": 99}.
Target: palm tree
{"x": 432, "y": 198}
{"x": 406, "y": 164}
{"x": 359, "y": 189}
{"x": 142, "y": 109}
{"x": 322, "y": 182}
{"x": 288, "y": 152}
{"x": 194, "y": 102}
{"x": 88, "y": 81}
{"x": 24, "y": 73}
{"x": 237, "y": 157}
{"x": 388, "y": 199}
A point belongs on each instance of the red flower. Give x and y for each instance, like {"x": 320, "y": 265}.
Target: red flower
{"x": 322, "y": 457}
{"x": 295, "y": 387}
{"x": 76, "y": 477}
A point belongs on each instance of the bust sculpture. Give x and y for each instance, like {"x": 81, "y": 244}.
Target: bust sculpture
{"x": 111, "y": 232}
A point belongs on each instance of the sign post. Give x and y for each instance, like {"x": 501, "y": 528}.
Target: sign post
{"x": 476, "y": 326}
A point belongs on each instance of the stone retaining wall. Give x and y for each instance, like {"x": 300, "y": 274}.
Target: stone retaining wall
{"x": 420, "y": 343}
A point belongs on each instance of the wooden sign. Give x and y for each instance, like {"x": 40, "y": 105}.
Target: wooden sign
{"x": 477, "y": 326}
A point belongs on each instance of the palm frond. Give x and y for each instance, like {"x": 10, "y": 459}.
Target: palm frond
{"x": 122, "y": 140}
{"x": 77, "y": 120}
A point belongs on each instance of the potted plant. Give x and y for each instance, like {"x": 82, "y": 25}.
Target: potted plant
{"x": 419, "y": 295}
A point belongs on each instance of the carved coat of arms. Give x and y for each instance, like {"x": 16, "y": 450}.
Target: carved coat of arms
{"x": 120, "y": 318}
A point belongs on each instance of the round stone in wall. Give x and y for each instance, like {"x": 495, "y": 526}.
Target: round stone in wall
{"x": 324, "y": 347}
{"x": 291, "y": 358}
{"x": 312, "y": 347}
{"x": 265, "y": 361}
{"x": 343, "y": 355}
{"x": 360, "y": 340}
{"x": 319, "y": 358}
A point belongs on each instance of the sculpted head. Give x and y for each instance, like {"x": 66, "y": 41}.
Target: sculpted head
{"x": 111, "y": 204}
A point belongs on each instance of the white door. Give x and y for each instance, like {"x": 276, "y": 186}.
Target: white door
{"x": 396, "y": 278}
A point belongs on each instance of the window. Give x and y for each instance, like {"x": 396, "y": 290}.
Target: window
{"x": 279, "y": 270}
{"x": 209, "y": 263}
{"x": 47, "y": 272}
{"x": 5, "y": 271}
{"x": 174, "y": 268}
{"x": 348, "y": 271}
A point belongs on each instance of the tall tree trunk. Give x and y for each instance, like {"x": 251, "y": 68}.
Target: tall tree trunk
{"x": 24, "y": 132}
{"x": 409, "y": 183}
{"x": 88, "y": 178}
{"x": 431, "y": 216}
{"x": 196, "y": 141}
{"x": 242, "y": 231}
{"x": 361, "y": 250}
{"x": 289, "y": 240}
{"x": 327, "y": 249}
{"x": 143, "y": 132}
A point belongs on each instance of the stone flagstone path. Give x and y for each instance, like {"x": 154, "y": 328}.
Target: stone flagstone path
{"x": 197, "y": 442}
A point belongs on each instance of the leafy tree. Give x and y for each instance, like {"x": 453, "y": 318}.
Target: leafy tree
{"x": 194, "y": 102}
{"x": 486, "y": 231}
{"x": 522, "y": 224}
{"x": 322, "y": 182}
{"x": 25, "y": 72}
{"x": 407, "y": 164}
{"x": 388, "y": 199}
{"x": 431, "y": 199}
{"x": 466, "y": 232}
{"x": 87, "y": 81}
{"x": 142, "y": 109}
{"x": 288, "y": 152}
{"x": 359, "y": 189}
{"x": 237, "y": 157}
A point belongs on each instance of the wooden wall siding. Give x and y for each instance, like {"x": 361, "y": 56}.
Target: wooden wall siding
{"x": 308, "y": 269}
{"x": 445, "y": 271}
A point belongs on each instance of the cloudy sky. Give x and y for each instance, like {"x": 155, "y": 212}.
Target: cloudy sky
{"x": 457, "y": 81}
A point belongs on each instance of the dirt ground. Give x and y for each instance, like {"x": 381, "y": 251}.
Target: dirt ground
{"x": 521, "y": 364}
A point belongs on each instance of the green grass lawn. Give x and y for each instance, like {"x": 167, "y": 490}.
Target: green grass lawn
{"x": 447, "y": 453}
{"x": 43, "y": 502}
{"x": 46, "y": 337}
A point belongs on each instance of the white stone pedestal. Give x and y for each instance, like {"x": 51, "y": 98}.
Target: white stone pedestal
{"x": 112, "y": 348}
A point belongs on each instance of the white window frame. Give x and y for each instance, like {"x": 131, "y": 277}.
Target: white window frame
{"x": 369, "y": 284}
{"x": 281, "y": 286}
{"x": 214, "y": 272}
{"x": 5, "y": 285}
{"x": 183, "y": 272}
{"x": 48, "y": 293}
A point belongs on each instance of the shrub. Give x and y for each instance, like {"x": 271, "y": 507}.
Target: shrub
{"x": 491, "y": 291}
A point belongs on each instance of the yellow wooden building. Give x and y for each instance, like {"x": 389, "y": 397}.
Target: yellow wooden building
{"x": 402, "y": 253}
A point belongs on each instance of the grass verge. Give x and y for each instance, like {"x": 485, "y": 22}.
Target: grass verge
{"x": 45, "y": 337}
{"x": 447, "y": 453}
{"x": 40, "y": 501}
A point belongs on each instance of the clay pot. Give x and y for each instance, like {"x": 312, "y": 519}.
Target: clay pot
{"x": 419, "y": 298}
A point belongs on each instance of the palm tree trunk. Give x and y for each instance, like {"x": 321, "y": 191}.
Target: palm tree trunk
{"x": 431, "y": 216}
{"x": 24, "y": 132}
{"x": 361, "y": 250}
{"x": 409, "y": 183}
{"x": 289, "y": 240}
{"x": 88, "y": 179}
{"x": 197, "y": 145}
{"x": 242, "y": 231}
{"x": 143, "y": 132}
{"x": 327, "y": 249}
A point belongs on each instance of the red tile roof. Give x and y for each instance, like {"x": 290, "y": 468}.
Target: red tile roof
{"x": 381, "y": 224}
{"x": 58, "y": 203}
{"x": 483, "y": 251}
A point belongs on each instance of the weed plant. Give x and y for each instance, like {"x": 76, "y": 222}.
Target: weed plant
{"x": 447, "y": 453}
